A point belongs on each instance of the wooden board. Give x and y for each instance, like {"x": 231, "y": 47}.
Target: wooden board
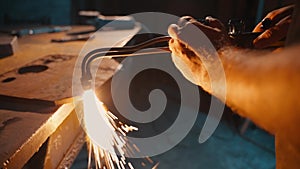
{"x": 48, "y": 78}
{"x": 30, "y": 80}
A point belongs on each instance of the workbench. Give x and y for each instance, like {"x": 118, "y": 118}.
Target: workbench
{"x": 31, "y": 80}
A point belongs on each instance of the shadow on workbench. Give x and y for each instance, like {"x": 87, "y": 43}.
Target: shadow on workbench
{"x": 27, "y": 105}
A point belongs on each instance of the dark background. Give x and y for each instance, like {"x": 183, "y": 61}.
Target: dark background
{"x": 64, "y": 12}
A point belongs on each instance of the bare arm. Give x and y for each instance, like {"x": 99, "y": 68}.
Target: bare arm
{"x": 264, "y": 87}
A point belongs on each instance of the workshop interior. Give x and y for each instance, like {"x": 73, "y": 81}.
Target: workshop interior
{"x": 67, "y": 66}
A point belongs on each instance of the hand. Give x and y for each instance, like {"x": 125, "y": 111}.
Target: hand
{"x": 279, "y": 21}
{"x": 194, "y": 46}
{"x": 213, "y": 29}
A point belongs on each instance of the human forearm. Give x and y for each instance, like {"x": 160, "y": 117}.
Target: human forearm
{"x": 263, "y": 88}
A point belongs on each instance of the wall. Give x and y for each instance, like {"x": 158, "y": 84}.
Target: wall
{"x": 35, "y": 12}
{"x": 65, "y": 11}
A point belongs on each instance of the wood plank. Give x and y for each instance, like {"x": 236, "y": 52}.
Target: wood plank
{"x": 53, "y": 83}
{"x": 61, "y": 140}
{"x": 32, "y": 47}
{"x": 23, "y": 137}
{"x": 23, "y": 131}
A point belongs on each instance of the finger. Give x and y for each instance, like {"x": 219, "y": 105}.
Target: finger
{"x": 263, "y": 25}
{"x": 216, "y": 36}
{"x": 173, "y": 31}
{"x": 209, "y": 21}
{"x": 258, "y": 28}
{"x": 209, "y": 31}
{"x": 198, "y": 38}
{"x": 176, "y": 32}
{"x": 179, "y": 49}
{"x": 215, "y": 23}
{"x": 191, "y": 33}
{"x": 273, "y": 34}
{"x": 183, "y": 20}
{"x": 275, "y": 16}
{"x": 280, "y": 13}
{"x": 175, "y": 44}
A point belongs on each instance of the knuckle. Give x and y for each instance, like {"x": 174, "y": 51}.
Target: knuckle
{"x": 272, "y": 14}
{"x": 187, "y": 17}
{"x": 268, "y": 33}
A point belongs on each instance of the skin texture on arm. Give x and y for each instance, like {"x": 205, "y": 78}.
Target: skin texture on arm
{"x": 262, "y": 86}
{"x": 265, "y": 88}
{"x": 259, "y": 85}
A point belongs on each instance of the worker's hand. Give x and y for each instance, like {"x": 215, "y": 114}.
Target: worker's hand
{"x": 212, "y": 28}
{"x": 194, "y": 46}
{"x": 277, "y": 23}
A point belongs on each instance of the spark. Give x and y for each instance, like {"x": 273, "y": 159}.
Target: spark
{"x": 105, "y": 135}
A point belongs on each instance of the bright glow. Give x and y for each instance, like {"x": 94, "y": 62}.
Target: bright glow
{"x": 106, "y": 135}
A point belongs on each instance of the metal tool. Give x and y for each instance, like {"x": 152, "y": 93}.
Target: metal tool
{"x": 135, "y": 50}
{"x": 236, "y": 31}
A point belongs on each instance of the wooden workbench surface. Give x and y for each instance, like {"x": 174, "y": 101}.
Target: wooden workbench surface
{"x": 39, "y": 73}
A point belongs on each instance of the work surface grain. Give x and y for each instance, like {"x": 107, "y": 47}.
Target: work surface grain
{"x": 39, "y": 73}
{"x": 49, "y": 78}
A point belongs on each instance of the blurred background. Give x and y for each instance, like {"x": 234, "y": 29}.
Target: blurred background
{"x": 64, "y": 12}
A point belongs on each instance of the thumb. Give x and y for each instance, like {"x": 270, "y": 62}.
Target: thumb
{"x": 273, "y": 34}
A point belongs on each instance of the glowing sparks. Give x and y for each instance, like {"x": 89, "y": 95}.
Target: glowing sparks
{"x": 106, "y": 135}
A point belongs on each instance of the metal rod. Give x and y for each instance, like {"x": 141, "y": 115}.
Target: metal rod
{"x": 145, "y": 48}
{"x": 130, "y": 49}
